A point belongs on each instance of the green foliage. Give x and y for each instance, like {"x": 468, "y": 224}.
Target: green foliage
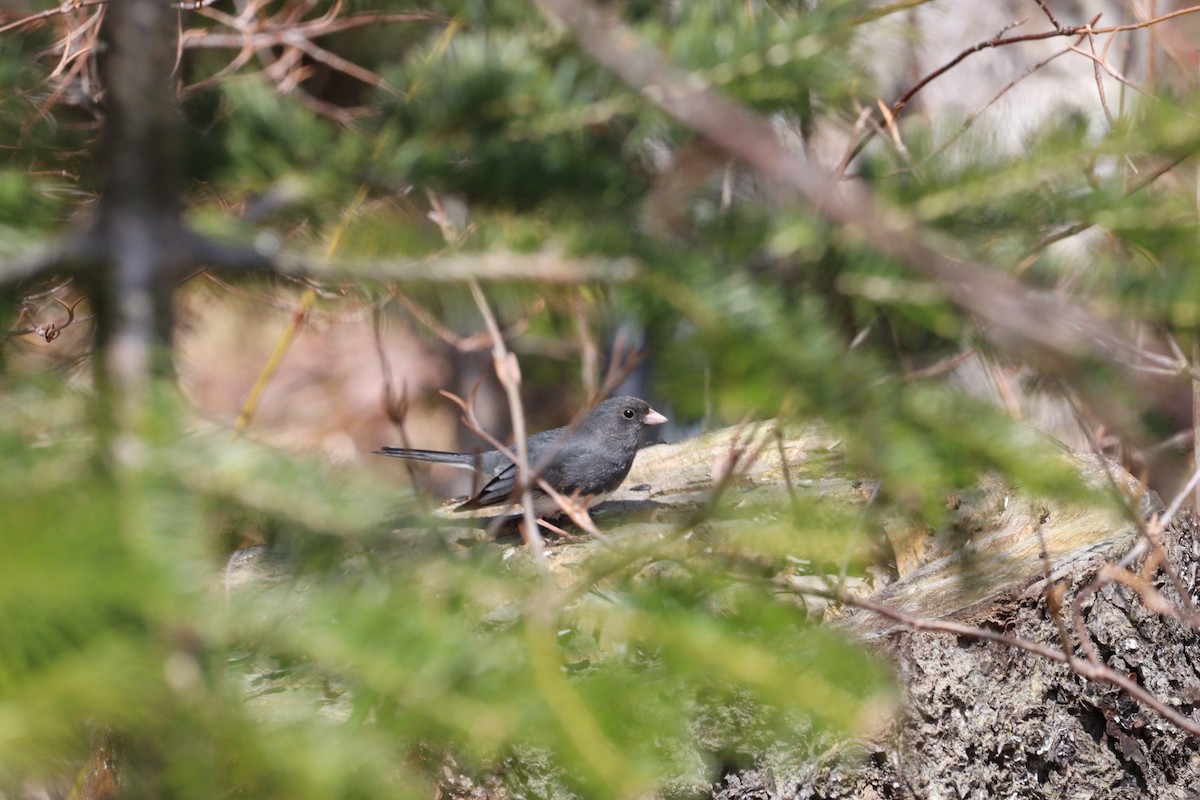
{"x": 503, "y": 120}
{"x": 360, "y": 676}
{"x": 41, "y": 161}
{"x": 770, "y": 61}
{"x": 380, "y": 657}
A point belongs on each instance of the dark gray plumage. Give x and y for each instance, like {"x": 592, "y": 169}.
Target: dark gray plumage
{"x": 591, "y": 459}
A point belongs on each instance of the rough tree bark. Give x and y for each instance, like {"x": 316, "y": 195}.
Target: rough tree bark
{"x": 984, "y": 721}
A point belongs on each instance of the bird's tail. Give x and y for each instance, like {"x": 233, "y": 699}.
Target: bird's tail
{"x": 463, "y": 460}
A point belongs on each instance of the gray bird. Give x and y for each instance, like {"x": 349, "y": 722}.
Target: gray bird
{"x": 592, "y": 459}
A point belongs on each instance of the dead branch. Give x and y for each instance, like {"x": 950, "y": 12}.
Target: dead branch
{"x": 50, "y": 331}
{"x": 1080, "y": 31}
{"x": 256, "y": 31}
{"x": 1058, "y": 31}
{"x": 1049, "y": 15}
{"x": 508, "y": 371}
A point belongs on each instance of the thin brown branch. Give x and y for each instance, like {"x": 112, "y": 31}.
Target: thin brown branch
{"x": 466, "y": 344}
{"x": 941, "y": 367}
{"x": 262, "y": 37}
{"x": 51, "y": 330}
{"x": 338, "y": 63}
{"x": 508, "y": 371}
{"x": 256, "y": 31}
{"x": 1002, "y": 41}
{"x": 1049, "y": 14}
{"x": 855, "y": 145}
{"x": 734, "y": 463}
{"x": 1112, "y": 71}
{"x": 1149, "y": 543}
{"x": 41, "y": 16}
{"x": 971, "y": 117}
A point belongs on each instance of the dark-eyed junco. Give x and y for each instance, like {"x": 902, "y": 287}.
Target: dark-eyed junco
{"x": 591, "y": 459}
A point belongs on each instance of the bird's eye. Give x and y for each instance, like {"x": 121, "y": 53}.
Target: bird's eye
{"x": 628, "y": 413}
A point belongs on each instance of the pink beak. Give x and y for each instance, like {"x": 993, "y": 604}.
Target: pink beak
{"x": 654, "y": 418}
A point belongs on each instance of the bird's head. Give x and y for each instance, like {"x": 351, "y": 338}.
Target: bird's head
{"x": 623, "y": 417}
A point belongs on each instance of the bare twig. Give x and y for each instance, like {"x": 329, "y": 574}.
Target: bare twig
{"x": 1179, "y": 500}
{"x": 508, "y": 371}
{"x": 1048, "y": 13}
{"x": 969, "y": 120}
{"x": 355, "y": 313}
{"x": 259, "y": 30}
{"x": 855, "y": 145}
{"x": 51, "y": 330}
{"x": 1103, "y": 64}
{"x": 941, "y": 367}
{"x": 734, "y": 463}
{"x": 1060, "y": 31}
{"x": 66, "y": 7}
{"x": 1099, "y": 79}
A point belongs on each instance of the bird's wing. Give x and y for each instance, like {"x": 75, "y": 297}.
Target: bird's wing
{"x": 498, "y": 490}
{"x": 494, "y": 492}
{"x": 503, "y": 472}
